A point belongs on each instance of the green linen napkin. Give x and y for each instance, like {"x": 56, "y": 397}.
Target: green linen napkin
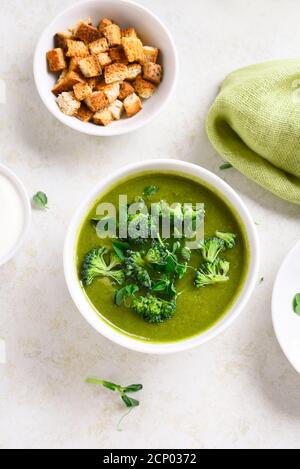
{"x": 254, "y": 124}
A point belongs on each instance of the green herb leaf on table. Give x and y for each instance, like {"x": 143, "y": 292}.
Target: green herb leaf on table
{"x": 225, "y": 166}
{"x": 40, "y": 201}
{"x": 296, "y": 304}
{"x": 122, "y": 390}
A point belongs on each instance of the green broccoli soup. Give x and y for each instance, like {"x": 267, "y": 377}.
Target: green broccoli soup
{"x": 156, "y": 287}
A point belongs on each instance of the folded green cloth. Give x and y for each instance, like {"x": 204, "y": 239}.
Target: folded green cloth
{"x": 254, "y": 124}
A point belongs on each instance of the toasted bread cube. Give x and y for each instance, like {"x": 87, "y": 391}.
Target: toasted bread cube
{"x": 97, "y": 101}
{"x": 56, "y": 60}
{"x": 129, "y": 32}
{"x": 152, "y": 72}
{"x": 111, "y": 91}
{"x": 144, "y": 88}
{"x": 115, "y": 72}
{"x": 82, "y": 91}
{"x": 67, "y": 103}
{"x": 90, "y": 67}
{"x": 132, "y": 104}
{"x": 76, "y": 49}
{"x": 93, "y": 82}
{"x": 74, "y": 64}
{"x": 133, "y": 71}
{"x": 133, "y": 49}
{"x": 66, "y": 82}
{"x": 104, "y": 59}
{"x": 103, "y": 117}
{"x": 103, "y": 24}
{"x": 116, "y": 108}
{"x": 99, "y": 46}
{"x": 113, "y": 35}
{"x": 84, "y": 113}
{"x": 86, "y": 32}
{"x": 60, "y": 39}
{"x": 117, "y": 54}
{"x": 125, "y": 90}
{"x": 150, "y": 54}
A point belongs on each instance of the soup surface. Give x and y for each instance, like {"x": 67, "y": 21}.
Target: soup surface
{"x": 197, "y": 309}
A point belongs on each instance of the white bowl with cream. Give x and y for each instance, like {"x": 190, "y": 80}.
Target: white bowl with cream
{"x": 15, "y": 214}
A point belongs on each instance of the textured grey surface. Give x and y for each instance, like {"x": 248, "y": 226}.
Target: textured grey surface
{"x": 239, "y": 390}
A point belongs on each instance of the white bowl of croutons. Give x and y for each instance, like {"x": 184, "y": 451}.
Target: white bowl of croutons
{"x": 105, "y": 67}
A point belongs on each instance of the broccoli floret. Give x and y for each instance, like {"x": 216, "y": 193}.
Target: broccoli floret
{"x": 211, "y": 273}
{"x": 154, "y": 310}
{"x": 228, "y": 238}
{"x": 211, "y": 248}
{"x": 94, "y": 265}
{"x": 135, "y": 267}
{"x": 156, "y": 254}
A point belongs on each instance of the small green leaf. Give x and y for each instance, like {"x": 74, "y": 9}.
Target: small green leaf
{"x": 132, "y": 388}
{"x": 296, "y": 304}
{"x": 129, "y": 401}
{"x": 150, "y": 190}
{"x": 105, "y": 384}
{"x": 125, "y": 292}
{"x": 225, "y": 166}
{"x": 186, "y": 253}
{"x": 40, "y": 201}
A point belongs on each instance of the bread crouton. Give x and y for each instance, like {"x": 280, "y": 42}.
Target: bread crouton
{"x": 133, "y": 49}
{"x": 116, "y": 108}
{"x": 101, "y": 45}
{"x": 103, "y": 24}
{"x": 113, "y": 35}
{"x": 104, "y": 59}
{"x": 90, "y": 67}
{"x": 144, "y": 88}
{"x": 74, "y": 64}
{"x": 132, "y": 104}
{"x": 125, "y": 90}
{"x": 84, "y": 113}
{"x": 111, "y": 91}
{"x": 96, "y": 101}
{"x": 150, "y": 54}
{"x": 152, "y": 72}
{"x": 117, "y": 54}
{"x": 56, "y": 60}
{"x": 60, "y": 39}
{"x": 76, "y": 48}
{"x": 67, "y": 103}
{"x": 66, "y": 82}
{"x": 129, "y": 32}
{"x": 133, "y": 71}
{"x": 82, "y": 91}
{"x": 86, "y": 32}
{"x": 93, "y": 82}
{"x": 103, "y": 117}
{"x": 115, "y": 72}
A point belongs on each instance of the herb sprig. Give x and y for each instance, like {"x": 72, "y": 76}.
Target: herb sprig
{"x": 40, "y": 201}
{"x": 123, "y": 391}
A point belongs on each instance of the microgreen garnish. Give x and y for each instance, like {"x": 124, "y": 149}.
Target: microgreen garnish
{"x": 123, "y": 391}
{"x": 40, "y": 201}
{"x": 296, "y": 304}
{"x": 225, "y": 166}
{"x": 119, "y": 248}
{"x": 150, "y": 190}
{"x": 125, "y": 292}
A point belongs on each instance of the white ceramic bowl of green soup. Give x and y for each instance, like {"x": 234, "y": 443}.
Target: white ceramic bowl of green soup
{"x": 157, "y": 295}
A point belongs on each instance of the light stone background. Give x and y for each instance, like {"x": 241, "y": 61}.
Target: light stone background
{"x": 238, "y": 391}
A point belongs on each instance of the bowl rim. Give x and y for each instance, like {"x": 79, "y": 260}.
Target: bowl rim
{"x": 4, "y": 170}
{"x": 99, "y": 131}
{"x": 111, "y": 333}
